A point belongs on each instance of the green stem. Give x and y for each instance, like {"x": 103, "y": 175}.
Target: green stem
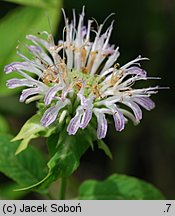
{"x": 63, "y": 188}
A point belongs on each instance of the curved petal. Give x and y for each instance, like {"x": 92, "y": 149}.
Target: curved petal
{"x": 118, "y": 117}
{"x": 145, "y": 102}
{"x": 51, "y": 94}
{"x": 50, "y": 114}
{"x": 86, "y": 118}
{"x": 82, "y": 99}
{"x": 40, "y": 53}
{"x": 16, "y": 66}
{"x": 136, "y": 71}
{"x": 136, "y": 109}
{"x": 28, "y": 92}
{"x": 75, "y": 123}
{"x": 37, "y": 40}
{"x": 102, "y": 124}
{"x": 14, "y": 83}
{"x": 119, "y": 120}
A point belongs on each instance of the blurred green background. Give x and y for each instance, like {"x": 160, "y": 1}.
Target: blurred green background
{"x": 144, "y": 28}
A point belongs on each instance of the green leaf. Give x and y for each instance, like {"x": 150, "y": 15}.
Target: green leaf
{"x": 52, "y": 143}
{"x": 66, "y": 159}
{"x": 119, "y": 187}
{"x": 70, "y": 150}
{"x": 36, "y": 3}
{"x": 15, "y": 26}
{"x": 27, "y": 168}
{"x": 24, "y": 144}
{"x": 29, "y": 131}
{"x": 104, "y": 147}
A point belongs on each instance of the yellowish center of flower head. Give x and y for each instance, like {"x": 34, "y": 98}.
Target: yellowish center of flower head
{"x": 73, "y": 79}
{"x": 90, "y": 82}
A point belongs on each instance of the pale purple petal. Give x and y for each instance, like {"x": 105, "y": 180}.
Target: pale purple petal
{"x": 74, "y": 124}
{"x": 145, "y": 102}
{"x": 37, "y": 40}
{"x": 49, "y": 116}
{"x": 111, "y": 60}
{"x": 102, "y": 125}
{"x": 86, "y": 118}
{"x": 28, "y": 92}
{"x": 109, "y": 50}
{"x": 83, "y": 31}
{"x": 49, "y": 45}
{"x": 15, "y": 66}
{"x": 83, "y": 99}
{"x": 118, "y": 117}
{"x": 51, "y": 113}
{"x": 35, "y": 49}
{"x": 119, "y": 120}
{"x": 39, "y": 52}
{"x": 137, "y": 71}
{"x": 35, "y": 62}
{"x": 64, "y": 93}
{"x": 14, "y": 83}
{"x": 51, "y": 94}
{"x": 136, "y": 109}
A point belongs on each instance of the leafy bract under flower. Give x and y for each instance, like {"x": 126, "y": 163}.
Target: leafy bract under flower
{"x": 78, "y": 78}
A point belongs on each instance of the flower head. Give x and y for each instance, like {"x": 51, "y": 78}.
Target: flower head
{"x": 79, "y": 78}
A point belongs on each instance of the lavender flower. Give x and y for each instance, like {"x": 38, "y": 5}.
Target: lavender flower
{"x": 79, "y": 78}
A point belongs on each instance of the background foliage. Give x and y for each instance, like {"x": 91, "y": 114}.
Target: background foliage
{"x": 142, "y": 27}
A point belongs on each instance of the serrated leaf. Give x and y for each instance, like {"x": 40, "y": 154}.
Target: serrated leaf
{"x": 32, "y": 126}
{"x": 30, "y": 130}
{"x": 27, "y": 168}
{"x": 119, "y": 187}
{"x": 24, "y": 143}
{"x": 67, "y": 156}
{"x": 14, "y": 27}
